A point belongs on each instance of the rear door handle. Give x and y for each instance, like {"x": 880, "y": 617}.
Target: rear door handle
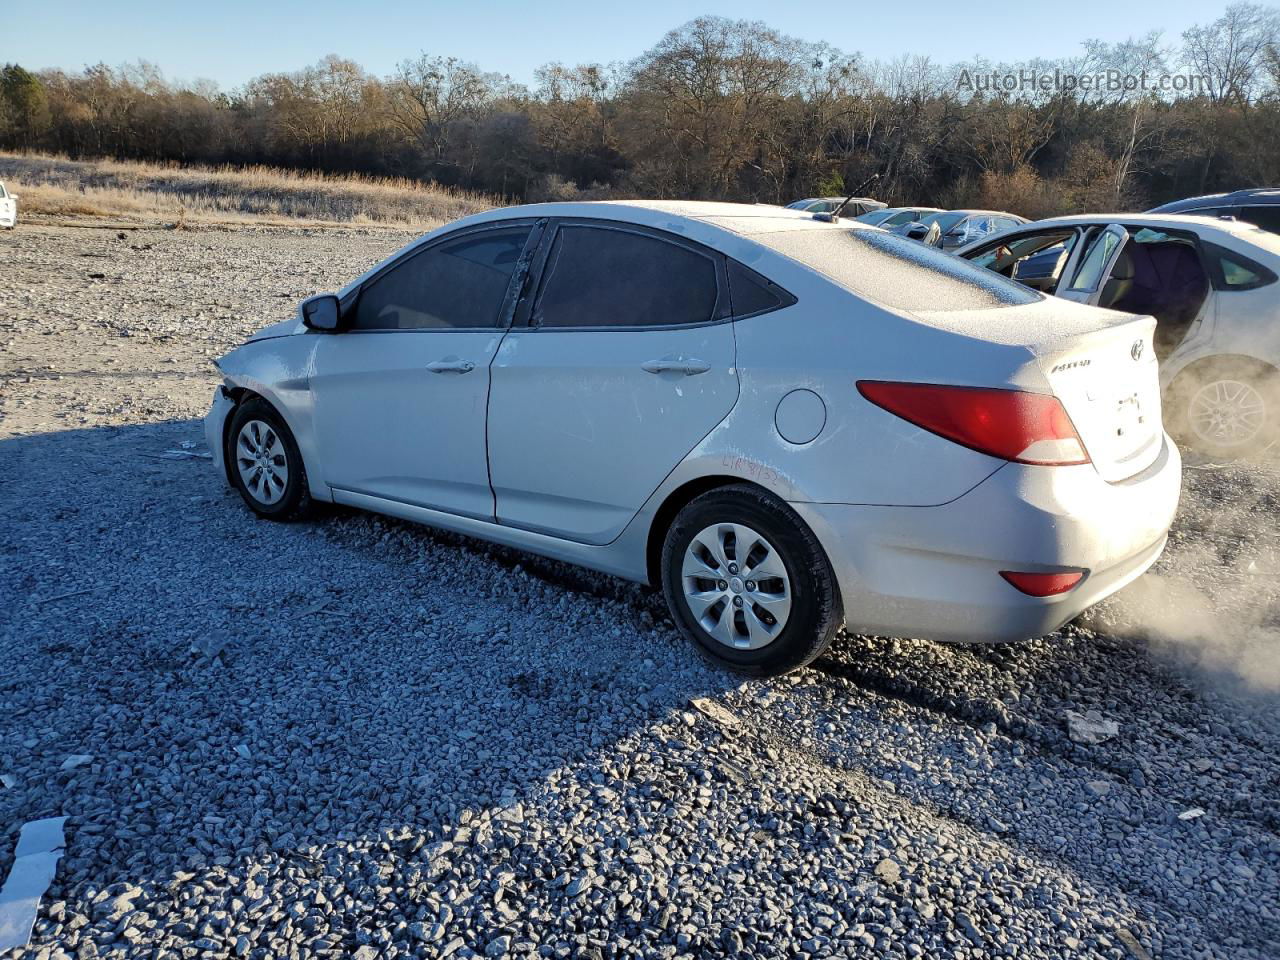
{"x": 689, "y": 367}
{"x": 451, "y": 365}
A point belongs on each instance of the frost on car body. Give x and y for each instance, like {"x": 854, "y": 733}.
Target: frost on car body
{"x": 686, "y": 393}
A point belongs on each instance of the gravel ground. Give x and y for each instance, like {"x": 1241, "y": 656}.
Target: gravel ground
{"x": 357, "y": 737}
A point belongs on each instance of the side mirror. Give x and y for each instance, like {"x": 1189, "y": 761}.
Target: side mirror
{"x": 321, "y": 312}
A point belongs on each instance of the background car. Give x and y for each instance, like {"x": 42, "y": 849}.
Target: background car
{"x": 1210, "y": 284}
{"x": 818, "y": 438}
{"x": 8, "y": 208}
{"x": 1256, "y": 206}
{"x": 891, "y": 217}
{"x": 955, "y": 228}
{"x": 856, "y": 206}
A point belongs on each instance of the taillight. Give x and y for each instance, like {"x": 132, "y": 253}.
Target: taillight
{"x": 1042, "y": 584}
{"x": 1010, "y": 424}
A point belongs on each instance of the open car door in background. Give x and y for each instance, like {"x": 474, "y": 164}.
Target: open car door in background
{"x": 1093, "y": 272}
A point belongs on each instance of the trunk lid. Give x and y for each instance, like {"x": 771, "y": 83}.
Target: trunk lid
{"x": 1099, "y": 363}
{"x": 1109, "y": 382}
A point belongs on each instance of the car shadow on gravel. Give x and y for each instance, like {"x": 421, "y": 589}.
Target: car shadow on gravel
{"x": 246, "y": 687}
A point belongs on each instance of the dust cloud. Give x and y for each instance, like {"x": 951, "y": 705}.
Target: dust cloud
{"x": 1212, "y": 603}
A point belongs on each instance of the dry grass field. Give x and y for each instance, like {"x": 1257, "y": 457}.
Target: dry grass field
{"x": 58, "y": 188}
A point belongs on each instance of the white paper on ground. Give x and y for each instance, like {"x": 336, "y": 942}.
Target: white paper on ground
{"x": 40, "y": 845}
{"x": 41, "y": 836}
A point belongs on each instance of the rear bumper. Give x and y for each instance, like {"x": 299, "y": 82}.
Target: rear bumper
{"x": 934, "y": 572}
{"x": 214, "y": 426}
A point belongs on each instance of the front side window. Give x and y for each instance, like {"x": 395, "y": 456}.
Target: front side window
{"x": 1031, "y": 260}
{"x": 603, "y": 277}
{"x": 1095, "y": 260}
{"x": 454, "y": 285}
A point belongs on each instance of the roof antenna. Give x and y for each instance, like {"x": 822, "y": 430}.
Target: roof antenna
{"x": 834, "y": 215}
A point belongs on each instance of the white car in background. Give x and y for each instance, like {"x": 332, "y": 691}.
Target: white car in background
{"x": 8, "y": 208}
{"x": 1211, "y": 286}
{"x": 788, "y": 424}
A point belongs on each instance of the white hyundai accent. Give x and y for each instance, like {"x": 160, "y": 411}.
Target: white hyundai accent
{"x": 789, "y": 424}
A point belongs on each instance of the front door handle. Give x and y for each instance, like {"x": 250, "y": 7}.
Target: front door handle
{"x": 690, "y": 366}
{"x": 451, "y": 365}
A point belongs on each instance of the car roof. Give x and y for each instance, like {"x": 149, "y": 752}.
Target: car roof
{"x": 1259, "y": 195}
{"x": 707, "y": 221}
{"x": 970, "y": 212}
{"x": 743, "y": 218}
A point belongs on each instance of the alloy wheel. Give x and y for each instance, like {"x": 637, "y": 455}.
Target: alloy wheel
{"x": 1227, "y": 413}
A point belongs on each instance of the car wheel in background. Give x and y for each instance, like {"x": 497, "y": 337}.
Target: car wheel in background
{"x": 1226, "y": 407}
{"x": 264, "y": 462}
{"x": 748, "y": 583}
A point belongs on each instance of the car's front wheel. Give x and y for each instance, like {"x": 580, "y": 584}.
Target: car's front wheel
{"x": 264, "y": 462}
{"x": 748, "y": 583}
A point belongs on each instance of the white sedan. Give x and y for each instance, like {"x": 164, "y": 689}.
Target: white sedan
{"x": 1211, "y": 286}
{"x": 8, "y": 208}
{"x": 789, "y": 424}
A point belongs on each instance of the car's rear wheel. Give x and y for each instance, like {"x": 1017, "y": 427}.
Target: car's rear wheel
{"x": 264, "y": 462}
{"x": 1226, "y": 408}
{"x": 748, "y": 583}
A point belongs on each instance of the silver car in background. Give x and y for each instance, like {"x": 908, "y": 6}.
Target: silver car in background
{"x": 1211, "y": 286}
{"x": 952, "y": 229}
{"x": 788, "y": 424}
{"x": 891, "y": 217}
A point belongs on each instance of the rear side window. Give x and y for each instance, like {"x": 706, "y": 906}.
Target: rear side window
{"x": 602, "y": 277}
{"x": 900, "y": 273}
{"x": 1232, "y": 271}
{"x": 752, "y": 294}
{"x": 454, "y": 285}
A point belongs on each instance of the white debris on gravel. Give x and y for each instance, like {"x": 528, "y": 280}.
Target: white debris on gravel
{"x": 1090, "y": 727}
{"x": 454, "y": 750}
{"x": 35, "y": 860}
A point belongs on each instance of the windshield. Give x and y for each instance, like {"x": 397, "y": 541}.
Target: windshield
{"x": 799, "y": 204}
{"x": 945, "y": 220}
{"x": 875, "y": 217}
{"x": 896, "y": 272}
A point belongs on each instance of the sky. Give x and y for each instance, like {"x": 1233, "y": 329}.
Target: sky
{"x": 232, "y": 41}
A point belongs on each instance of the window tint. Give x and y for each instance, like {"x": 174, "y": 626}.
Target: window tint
{"x": 1095, "y": 258}
{"x": 600, "y": 277}
{"x": 1268, "y": 218}
{"x": 456, "y": 284}
{"x": 753, "y": 294}
{"x": 1233, "y": 271}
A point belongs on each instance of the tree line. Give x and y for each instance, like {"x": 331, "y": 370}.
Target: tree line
{"x": 721, "y": 109}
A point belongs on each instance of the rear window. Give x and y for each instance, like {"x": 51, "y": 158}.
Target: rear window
{"x": 899, "y": 273}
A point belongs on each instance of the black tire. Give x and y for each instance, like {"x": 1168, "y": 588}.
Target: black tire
{"x": 1181, "y": 407}
{"x": 295, "y": 502}
{"x": 816, "y": 612}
